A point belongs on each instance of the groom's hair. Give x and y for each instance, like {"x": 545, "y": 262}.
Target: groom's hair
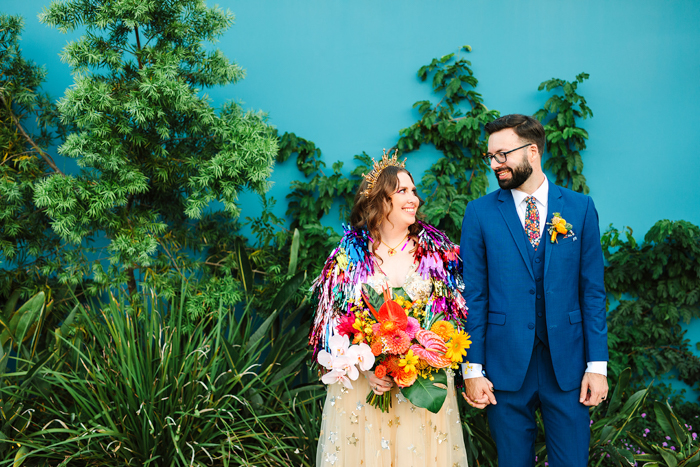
{"x": 528, "y": 129}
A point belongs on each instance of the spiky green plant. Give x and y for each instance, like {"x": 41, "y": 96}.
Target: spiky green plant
{"x": 141, "y": 391}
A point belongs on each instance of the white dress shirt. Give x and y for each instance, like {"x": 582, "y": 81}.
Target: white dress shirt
{"x": 541, "y": 195}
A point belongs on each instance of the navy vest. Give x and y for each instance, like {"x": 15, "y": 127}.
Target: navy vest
{"x": 537, "y": 260}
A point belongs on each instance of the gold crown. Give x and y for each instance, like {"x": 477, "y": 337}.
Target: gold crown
{"x": 378, "y": 167}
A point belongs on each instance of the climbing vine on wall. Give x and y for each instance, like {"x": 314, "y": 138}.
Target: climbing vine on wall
{"x": 454, "y": 126}
{"x": 565, "y": 140}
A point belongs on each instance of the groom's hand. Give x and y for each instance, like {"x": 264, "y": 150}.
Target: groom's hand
{"x": 594, "y": 389}
{"x": 478, "y": 392}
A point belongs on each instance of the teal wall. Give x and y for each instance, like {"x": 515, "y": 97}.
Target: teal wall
{"x": 343, "y": 74}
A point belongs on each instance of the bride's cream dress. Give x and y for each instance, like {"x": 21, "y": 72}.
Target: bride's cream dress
{"x": 354, "y": 433}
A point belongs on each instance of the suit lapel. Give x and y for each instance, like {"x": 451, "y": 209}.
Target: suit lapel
{"x": 555, "y": 203}
{"x": 510, "y": 215}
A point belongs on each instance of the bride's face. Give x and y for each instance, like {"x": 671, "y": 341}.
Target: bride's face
{"x": 404, "y": 202}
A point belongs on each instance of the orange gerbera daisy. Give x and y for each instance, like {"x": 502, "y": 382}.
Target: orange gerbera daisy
{"x": 444, "y": 329}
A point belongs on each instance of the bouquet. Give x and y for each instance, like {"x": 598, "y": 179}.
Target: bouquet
{"x": 399, "y": 338}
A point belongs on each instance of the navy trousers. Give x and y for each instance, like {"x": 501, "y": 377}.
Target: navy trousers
{"x": 566, "y": 420}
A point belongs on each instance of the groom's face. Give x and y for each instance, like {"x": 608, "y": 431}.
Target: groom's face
{"x": 516, "y": 169}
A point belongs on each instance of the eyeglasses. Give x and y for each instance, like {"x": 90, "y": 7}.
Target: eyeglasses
{"x": 501, "y": 157}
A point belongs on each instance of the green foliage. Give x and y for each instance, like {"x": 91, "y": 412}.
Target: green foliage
{"x": 27, "y": 244}
{"x": 153, "y": 151}
{"x": 454, "y": 126}
{"x": 428, "y": 393}
{"x": 21, "y": 332}
{"x": 145, "y": 392}
{"x": 565, "y": 139}
{"x": 682, "y": 448}
{"x": 657, "y": 283}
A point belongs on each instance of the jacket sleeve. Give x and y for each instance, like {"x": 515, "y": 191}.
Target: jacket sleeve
{"x": 592, "y": 288}
{"x": 476, "y": 292}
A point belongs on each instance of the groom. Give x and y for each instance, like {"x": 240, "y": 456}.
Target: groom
{"x": 536, "y": 303}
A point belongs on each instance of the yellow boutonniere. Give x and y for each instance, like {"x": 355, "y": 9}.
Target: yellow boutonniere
{"x": 558, "y": 225}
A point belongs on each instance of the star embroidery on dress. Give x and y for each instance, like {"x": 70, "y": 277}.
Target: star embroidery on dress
{"x": 333, "y": 437}
{"x": 343, "y": 389}
{"x": 332, "y": 400}
{"x": 331, "y": 458}
{"x": 385, "y": 443}
{"x": 368, "y": 427}
{"x": 352, "y": 439}
{"x": 397, "y": 421}
{"x": 360, "y": 405}
{"x": 400, "y": 397}
{"x": 353, "y": 419}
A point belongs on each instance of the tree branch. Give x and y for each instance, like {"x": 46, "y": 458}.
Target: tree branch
{"x": 31, "y": 142}
{"x": 138, "y": 47}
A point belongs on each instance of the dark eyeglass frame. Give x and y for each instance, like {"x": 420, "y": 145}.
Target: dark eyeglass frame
{"x": 487, "y": 157}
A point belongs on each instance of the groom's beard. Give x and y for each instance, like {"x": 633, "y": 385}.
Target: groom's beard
{"x": 519, "y": 175}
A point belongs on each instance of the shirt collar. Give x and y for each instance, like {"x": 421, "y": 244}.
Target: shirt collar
{"x": 541, "y": 194}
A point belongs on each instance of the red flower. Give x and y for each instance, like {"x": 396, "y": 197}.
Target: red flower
{"x": 345, "y": 326}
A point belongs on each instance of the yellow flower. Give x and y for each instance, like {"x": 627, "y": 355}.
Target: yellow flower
{"x": 457, "y": 347}
{"x": 409, "y": 362}
{"x": 358, "y": 324}
{"x": 444, "y": 329}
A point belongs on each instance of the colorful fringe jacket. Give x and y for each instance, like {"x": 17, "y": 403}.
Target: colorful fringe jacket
{"x": 350, "y": 265}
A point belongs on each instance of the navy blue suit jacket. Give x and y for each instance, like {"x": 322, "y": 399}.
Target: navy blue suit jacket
{"x": 498, "y": 281}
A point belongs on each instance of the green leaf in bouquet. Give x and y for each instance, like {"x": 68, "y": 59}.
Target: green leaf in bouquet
{"x": 374, "y": 298}
{"x": 427, "y": 394}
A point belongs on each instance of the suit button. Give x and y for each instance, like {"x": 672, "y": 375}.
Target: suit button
{"x": 538, "y": 279}
{"x": 539, "y": 296}
{"x": 537, "y": 260}
{"x": 539, "y": 314}
{"x": 532, "y": 291}
{"x": 531, "y": 325}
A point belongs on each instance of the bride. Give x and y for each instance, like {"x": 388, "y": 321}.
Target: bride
{"x": 387, "y": 246}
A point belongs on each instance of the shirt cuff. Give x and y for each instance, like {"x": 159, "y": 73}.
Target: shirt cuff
{"x": 472, "y": 370}
{"x": 597, "y": 367}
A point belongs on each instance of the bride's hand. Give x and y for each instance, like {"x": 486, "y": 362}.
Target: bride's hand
{"x": 379, "y": 385}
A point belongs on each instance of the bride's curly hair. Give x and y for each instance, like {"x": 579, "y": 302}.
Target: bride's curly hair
{"x": 370, "y": 211}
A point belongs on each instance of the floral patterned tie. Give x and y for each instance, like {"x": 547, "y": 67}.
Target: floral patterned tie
{"x": 532, "y": 222}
